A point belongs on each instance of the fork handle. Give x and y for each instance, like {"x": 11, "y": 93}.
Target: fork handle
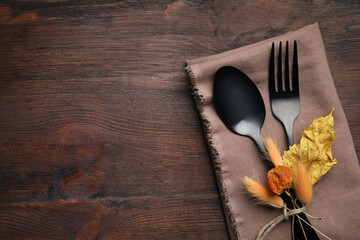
{"x": 301, "y": 230}
{"x": 289, "y": 133}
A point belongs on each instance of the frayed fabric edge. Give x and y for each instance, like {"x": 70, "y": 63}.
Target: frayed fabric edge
{"x": 199, "y": 103}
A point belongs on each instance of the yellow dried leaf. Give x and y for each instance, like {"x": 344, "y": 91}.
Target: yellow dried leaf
{"x": 314, "y": 150}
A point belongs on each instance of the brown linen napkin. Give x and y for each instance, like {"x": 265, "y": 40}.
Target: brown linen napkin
{"x": 336, "y": 195}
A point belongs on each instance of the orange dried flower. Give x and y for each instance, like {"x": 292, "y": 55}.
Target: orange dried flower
{"x": 273, "y": 152}
{"x": 302, "y": 184}
{"x": 262, "y": 194}
{"x": 279, "y": 178}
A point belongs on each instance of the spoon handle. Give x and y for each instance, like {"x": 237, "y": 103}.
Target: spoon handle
{"x": 260, "y": 145}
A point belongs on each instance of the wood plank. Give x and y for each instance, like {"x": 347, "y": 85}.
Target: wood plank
{"x": 181, "y": 217}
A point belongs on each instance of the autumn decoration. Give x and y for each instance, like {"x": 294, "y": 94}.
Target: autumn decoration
{"x": 299, "y": 168}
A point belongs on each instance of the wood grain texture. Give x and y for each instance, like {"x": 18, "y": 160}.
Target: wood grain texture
{"x": 99, "y": 136}
{"x": 114, "y": 218}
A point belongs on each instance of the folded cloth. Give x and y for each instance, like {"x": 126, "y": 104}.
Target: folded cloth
{"x": 336, "y": 195}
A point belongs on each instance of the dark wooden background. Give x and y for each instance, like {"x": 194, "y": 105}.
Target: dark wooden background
{"x": 99, "y": 136}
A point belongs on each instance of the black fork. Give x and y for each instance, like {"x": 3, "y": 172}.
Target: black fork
{"x": 284, "y": 98}
{"x": 285, "y": 106}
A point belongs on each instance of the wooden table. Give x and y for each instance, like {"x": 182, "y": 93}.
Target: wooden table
{"x": 99, "y": 136}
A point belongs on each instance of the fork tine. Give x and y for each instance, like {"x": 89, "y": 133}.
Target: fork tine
{"x": 272, "y": 70}
{"x": 295, "y": 72}
{"x": 287, "y": 74}
{"x": 279, "y": 83}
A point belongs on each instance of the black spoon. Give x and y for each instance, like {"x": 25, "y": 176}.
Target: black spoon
{"x": 239, "y": 104}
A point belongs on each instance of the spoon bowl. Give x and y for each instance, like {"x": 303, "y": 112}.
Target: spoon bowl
{"x": 239, "y": 104}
